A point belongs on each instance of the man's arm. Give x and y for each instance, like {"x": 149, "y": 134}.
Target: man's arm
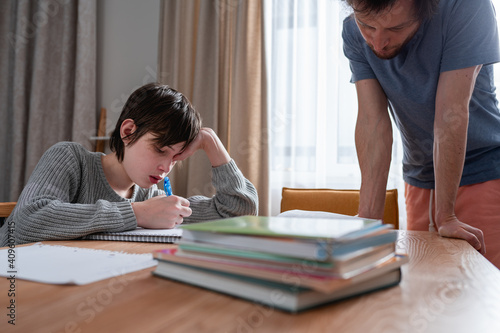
{"x": 450, "y": 139}
{"x": 373, "y": 137}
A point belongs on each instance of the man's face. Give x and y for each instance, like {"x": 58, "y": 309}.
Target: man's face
{"x": 387, "y": 32}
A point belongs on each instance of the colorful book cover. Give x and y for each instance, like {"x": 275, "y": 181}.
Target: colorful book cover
{"x": 327, "y": 229}
{"x": 302, "y": 277}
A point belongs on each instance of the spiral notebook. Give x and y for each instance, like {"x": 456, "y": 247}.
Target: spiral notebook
{"x": 140, "y": 235}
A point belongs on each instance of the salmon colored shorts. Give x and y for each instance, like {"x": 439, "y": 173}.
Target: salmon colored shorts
{"x": 477, "y": 205}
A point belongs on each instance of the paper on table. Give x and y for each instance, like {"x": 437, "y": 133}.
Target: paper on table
{"x": 315, "y": 214}
{"x": 70, "y": 265}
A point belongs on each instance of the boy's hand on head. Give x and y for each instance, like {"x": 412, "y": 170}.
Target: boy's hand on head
{"x": 208, "y": 141}
{"x": 161, "y": 212}
{"x": 191, "y": 148}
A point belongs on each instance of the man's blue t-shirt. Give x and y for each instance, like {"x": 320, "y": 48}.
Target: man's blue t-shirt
{"x": 463, "y": 33}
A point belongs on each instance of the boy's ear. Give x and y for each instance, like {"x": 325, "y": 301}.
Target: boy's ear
{"x": 127, "y": 128}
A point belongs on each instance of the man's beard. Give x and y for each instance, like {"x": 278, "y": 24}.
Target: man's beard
{"x": 395, "y": 50}
{"x": 387, "y": 56}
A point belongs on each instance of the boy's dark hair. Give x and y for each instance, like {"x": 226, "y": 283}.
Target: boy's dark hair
{"x": 424, "y": 9}
{"x": 160, "y": 110}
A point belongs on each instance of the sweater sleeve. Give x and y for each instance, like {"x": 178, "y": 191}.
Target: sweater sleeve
{"x": 62, "y": 200}
{"x": 235, "y": 196}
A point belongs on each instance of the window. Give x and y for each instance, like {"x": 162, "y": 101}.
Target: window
{"x": 312, "y": 104}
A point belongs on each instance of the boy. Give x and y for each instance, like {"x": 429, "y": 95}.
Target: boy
{"x": 73, "y": 192}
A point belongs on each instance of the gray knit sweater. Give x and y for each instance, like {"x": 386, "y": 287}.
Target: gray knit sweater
{"x": 68, "y": 197}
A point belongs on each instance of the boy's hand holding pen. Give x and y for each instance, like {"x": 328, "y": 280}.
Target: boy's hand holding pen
{"x": 162, "y": 212}
{"x": 167, "y": 187}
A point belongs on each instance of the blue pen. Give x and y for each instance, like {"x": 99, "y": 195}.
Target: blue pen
{"x": 166, "y": 186}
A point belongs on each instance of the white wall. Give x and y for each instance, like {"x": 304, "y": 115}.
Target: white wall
{"x": 127, "y": 48}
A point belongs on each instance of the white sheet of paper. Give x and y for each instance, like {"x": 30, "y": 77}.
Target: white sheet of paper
{"x": 314, "y": 214}
{"x": 70, "y": 265}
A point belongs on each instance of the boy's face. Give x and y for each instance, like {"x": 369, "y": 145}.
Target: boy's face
{"x": 386, "y": 33}
{"x": 147, "y": 164}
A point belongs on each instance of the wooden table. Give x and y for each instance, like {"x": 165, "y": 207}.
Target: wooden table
{"x": 447, "y": 287}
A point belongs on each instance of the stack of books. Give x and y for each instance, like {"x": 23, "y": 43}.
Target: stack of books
{"x": 285, "y": 262}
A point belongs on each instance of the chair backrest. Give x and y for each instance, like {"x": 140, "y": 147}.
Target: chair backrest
{"x": 101, "y": 132}
{"x": 6, "y": 208}
{"x": 336, "y": 201}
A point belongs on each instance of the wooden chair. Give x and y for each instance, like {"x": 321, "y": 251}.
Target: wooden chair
{"x": 6, "y": 208}
{"x": 336, "y": 201}
{"x": 101, "y": 137}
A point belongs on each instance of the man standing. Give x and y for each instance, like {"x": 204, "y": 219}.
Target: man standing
{"x": 429, "y": 63}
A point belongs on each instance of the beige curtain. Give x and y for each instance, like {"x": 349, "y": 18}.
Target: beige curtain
{"x": 213, "y": 52}
{"x": 47, "y": 82}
